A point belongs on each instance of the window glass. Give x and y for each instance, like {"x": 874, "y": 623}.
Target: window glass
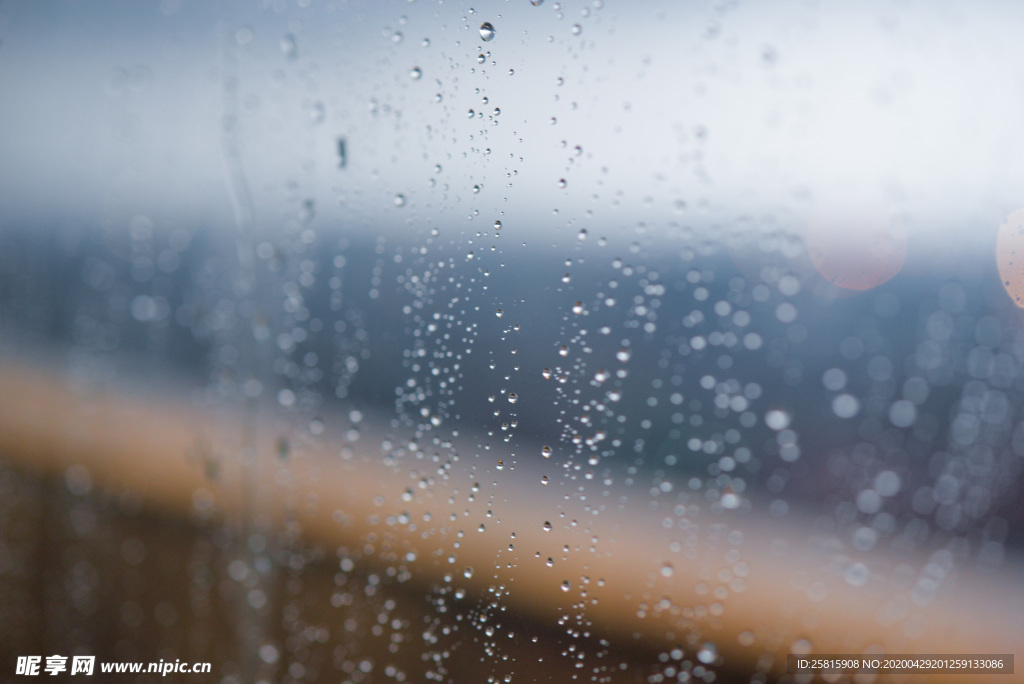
{"x": 513, "y": 341}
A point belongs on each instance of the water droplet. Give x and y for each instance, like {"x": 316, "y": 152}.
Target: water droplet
{"x": 902, "y": 413}
{"x": 566, "y": 586}
{"x": 623, "y": 355}
{"x": 864, "y": 538}
{"x": 499, "y": 313}
{"x": 342, "y": 153}
{"x": 887, "y": 483}
{"x": 776, "y": 419}
{"x": 268, "y": 654}
{"x": 546, "y": 452}
{"x": 582, "y": 235}
{"x": 546, "y": 373}
{"x": 317, "y": 112}
{"x": 546, "y": 526}
{"x": 467, "y": 573}
{"x": 564, "y": 351}
{"x": 497, "y": 226}
{"x": 544, "y": 480}
{"x": 576, "y": 29}
{"x": 834, "y": 379}
{"x": 289, "y": 48}
{"x": 487, "y": 31}
{"x": 577, "y": 308}
{"x": 399, "y": 200}
{"x": 857, "y": 574}
{"x": 707, "y": 653}
{"x": 800, "y": 647}
{"x": 667, "y": 570}
{"x": 536, "y": 3}
{"x": 562, "y": 183}
{"x": 845, "y": 406}
{"x": 415, "y": 73}
{"x": 512, "y": 398}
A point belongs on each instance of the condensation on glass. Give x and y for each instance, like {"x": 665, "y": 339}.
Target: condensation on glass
{"x": 513, "y": 341}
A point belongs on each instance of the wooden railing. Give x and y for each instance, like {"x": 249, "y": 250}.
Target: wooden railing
{"x": 453, "y": 514}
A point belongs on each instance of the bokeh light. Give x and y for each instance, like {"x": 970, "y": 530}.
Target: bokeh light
{"x": 856, "y": 249}
{"x": 1010, "y": 256}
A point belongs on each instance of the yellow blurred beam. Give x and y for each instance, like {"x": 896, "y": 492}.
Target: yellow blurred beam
{"x": 450, "y": 513}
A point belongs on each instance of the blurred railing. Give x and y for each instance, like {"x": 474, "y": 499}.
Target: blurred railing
{"x": 757, "y": 597}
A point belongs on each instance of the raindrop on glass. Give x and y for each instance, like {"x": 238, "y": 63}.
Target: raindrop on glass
{"x": 487, "y": 31}
{"x": 902, "y": 413}
{"x": 834, "y": 379}
{"x": 857, "y": 574}
{"x": 801, "y": 647}
{"x": 777, "y": 419}
{"x": 845, "y": 406}
{"x": 707, "y": 653}
{"x": 289, "y": 48}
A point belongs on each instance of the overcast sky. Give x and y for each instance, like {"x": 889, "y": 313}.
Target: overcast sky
{"x": 685, "y": 112}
